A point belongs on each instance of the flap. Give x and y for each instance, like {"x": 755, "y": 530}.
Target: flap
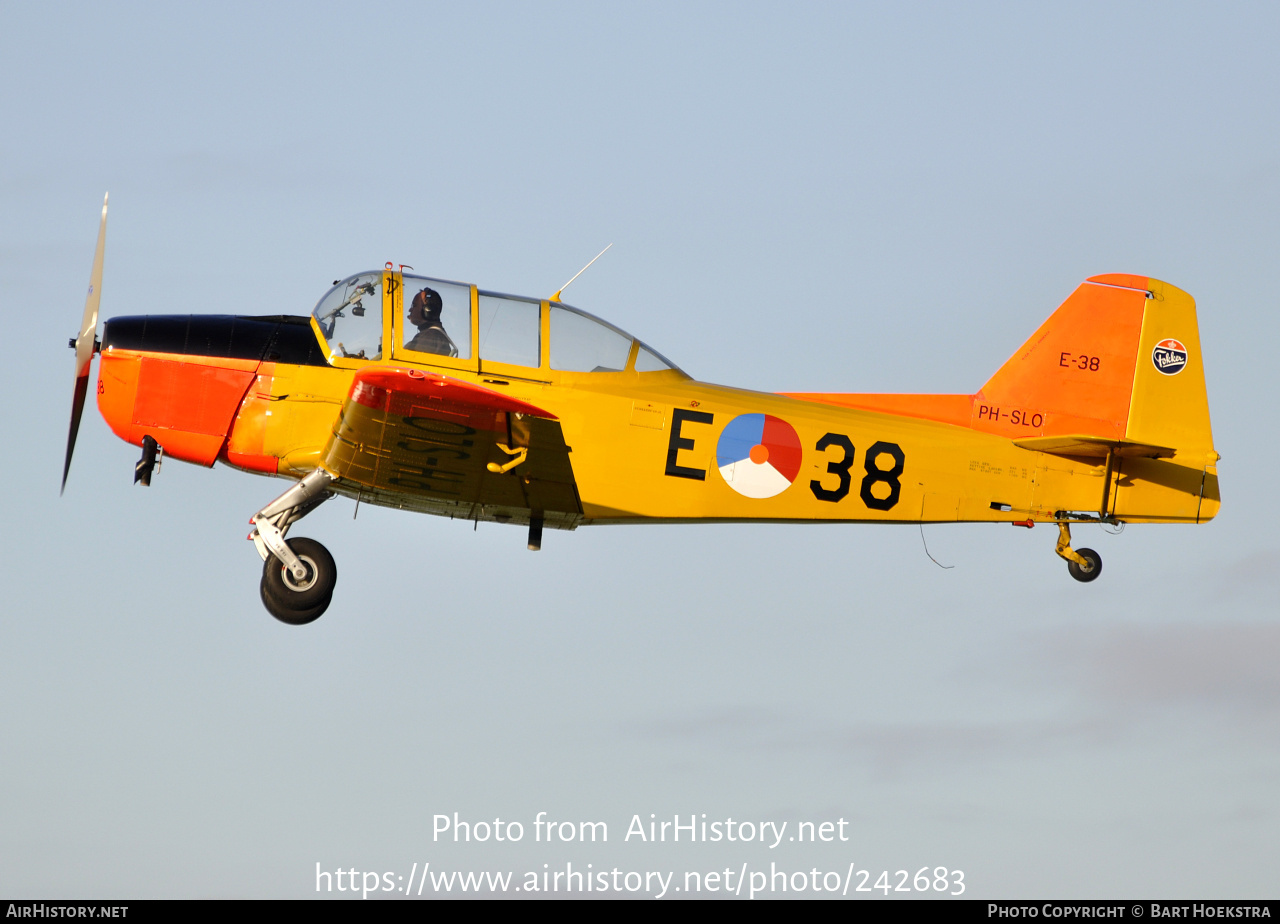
{"x": 427, "y": 441}
{"x": 1094, "y": 447}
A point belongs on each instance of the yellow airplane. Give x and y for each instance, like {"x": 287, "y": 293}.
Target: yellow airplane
{"x": 437, "y": 396}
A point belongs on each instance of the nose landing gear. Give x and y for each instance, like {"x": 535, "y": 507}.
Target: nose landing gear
{"x": 1083, "y": 564}
{"x": 298, "y": 576}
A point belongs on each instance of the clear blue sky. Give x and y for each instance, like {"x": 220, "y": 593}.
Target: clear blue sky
{"x": 803, "y": 197}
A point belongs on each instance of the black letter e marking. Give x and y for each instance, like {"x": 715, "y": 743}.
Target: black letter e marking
{"x": 679, "y": 417}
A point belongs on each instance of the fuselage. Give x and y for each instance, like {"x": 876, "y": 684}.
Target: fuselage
{"x": 646, "y": 441}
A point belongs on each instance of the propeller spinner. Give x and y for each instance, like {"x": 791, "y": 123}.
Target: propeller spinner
{"x": 86, "y": 344}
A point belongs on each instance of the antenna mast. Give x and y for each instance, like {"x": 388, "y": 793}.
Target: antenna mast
{"x": 556, "y": 297}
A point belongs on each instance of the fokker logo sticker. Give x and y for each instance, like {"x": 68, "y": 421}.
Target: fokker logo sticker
{"x": 1169, "y": 357}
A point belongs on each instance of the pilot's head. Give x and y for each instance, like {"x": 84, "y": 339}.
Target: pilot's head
{"x": 425, "y": 308}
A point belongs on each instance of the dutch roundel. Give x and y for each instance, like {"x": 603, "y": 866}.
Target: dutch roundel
{"x": 758, "y": 455}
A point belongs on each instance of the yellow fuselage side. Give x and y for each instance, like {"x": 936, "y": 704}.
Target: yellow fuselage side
{"x": 620, "y": 428}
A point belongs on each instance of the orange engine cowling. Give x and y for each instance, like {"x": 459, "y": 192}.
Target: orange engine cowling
{"x": 188, "y": 381}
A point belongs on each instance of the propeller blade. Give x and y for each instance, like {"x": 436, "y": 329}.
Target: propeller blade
{"x": 86, "y": 342}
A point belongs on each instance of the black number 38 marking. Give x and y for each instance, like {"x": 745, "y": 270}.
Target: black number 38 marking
{"x": 871, "y": 464}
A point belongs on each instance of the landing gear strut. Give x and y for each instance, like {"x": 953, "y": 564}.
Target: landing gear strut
{"x": 298, "y": 577}
{"x": 1084, "y": 564}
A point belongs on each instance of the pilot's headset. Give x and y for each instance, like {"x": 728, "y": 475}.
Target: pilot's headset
{"x": 425, "y": 308}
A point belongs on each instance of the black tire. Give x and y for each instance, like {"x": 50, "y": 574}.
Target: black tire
{"x": 288, "y": 616}
{"x": 1090, "y": 573}
{"x": 317, "y": 587}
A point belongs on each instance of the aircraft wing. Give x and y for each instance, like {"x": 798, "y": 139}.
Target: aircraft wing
{"x": 408, "y": 438}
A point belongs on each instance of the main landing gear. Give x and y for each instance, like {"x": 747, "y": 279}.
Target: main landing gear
{"x": 297, "y": 576}
{"x": 1084, "y": 564}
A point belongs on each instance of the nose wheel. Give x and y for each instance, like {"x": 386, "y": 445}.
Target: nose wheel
{"x": 1083, "y": 564}
{"x": 298, "y": 601}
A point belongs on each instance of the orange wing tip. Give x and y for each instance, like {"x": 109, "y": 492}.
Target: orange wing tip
{"x": 1124, "y": 280}
{"x": 377, "y": 388}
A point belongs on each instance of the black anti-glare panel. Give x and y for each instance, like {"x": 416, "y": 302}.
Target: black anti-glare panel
{"x": 278, "y": 338}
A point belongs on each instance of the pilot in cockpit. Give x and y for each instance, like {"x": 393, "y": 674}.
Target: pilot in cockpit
{"x": 424, "y": 313}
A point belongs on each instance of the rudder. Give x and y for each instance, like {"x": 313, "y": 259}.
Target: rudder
{"x": 1170, "y": 406}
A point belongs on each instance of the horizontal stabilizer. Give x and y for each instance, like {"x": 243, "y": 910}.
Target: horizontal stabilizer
{"x": 1094, "y": 447}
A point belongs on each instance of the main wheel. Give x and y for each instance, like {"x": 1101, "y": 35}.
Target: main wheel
{"x": 1093, "y": 569}
{"x": 300, "y": 596}
{"x": 286, "y": 615}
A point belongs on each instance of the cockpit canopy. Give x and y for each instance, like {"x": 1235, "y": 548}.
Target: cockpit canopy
{"x": 446, "y": 323}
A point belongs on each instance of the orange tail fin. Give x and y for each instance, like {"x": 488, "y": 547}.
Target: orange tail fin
{"x": 1075, "y": 374}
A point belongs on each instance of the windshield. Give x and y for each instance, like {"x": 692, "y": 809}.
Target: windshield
{"x": 350, "y": 317}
